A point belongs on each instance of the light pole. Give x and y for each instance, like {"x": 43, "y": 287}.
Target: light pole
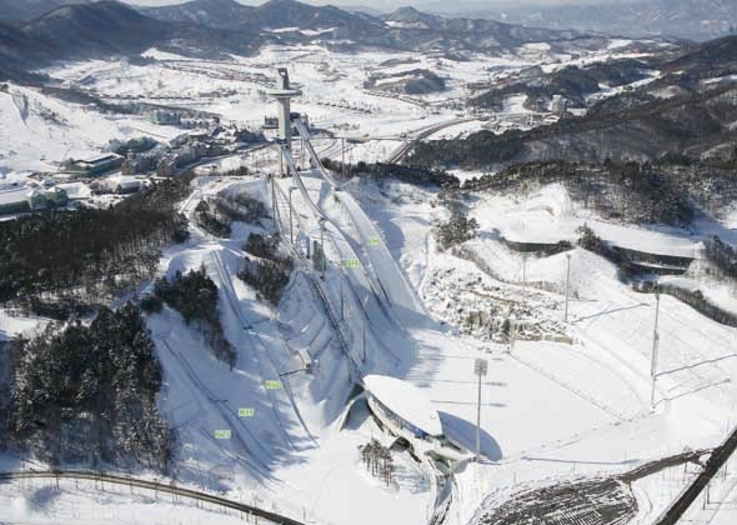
{"x": 323, "y": 263}
{"x": 363, "y": 338}
{"x": 512, "y": 331}
{"x": 568, "y": 279}
{"x": 656, "y": 337}
{"x": 480, "y": 368}
{"x": 291, "y": 231}
{"x": 524, "y": 269}
{"x": 342, "y": 302}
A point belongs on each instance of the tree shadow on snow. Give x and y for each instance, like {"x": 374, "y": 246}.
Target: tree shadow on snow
{"x": 43, "y": 498}
{"x": 464, "y": 433}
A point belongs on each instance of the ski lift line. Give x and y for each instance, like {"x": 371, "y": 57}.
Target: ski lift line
{"x": 300, "y": 185}
{"x": 316, "y": 286}
{"x": 351, "y": 290}
{"x": 304, "y": 134}
{"x": 321, "y": 215}
{"x": 227, "y": 285}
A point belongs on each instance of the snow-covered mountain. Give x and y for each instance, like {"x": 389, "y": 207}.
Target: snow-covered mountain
{"x": 678, "y": 18}
{"x": 210, "y": 28}
{"x": 104, "y": 29}
{"x": 14, "y": 11}
{"x": 211, "y": 13}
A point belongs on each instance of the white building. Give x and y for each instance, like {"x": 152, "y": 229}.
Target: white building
{"x": 402, "y": 407}
{"x": 406, "y": 412}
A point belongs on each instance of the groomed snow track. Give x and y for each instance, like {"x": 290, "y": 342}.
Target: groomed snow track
{"x": 302, "y": 131}
{"x": 376, "y": 262}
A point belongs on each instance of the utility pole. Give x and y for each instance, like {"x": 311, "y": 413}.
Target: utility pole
{"x": 322, "y": 247}
{"x": 524, "y": 269}
{"x": 342, "y": 156}
{"x": 512, "y": 331}
{"x": 272, "y": 180}
{"x": 291, "y": 227}
{"x": 480, "y": 368}
{"x": 363, "y": 338}
{"x": 656, "y": 337}
{"x": 568, "y": 279}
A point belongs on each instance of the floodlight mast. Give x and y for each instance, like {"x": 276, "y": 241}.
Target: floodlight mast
{"x": 480, "y": 368}
{"x": 656, "y": 340}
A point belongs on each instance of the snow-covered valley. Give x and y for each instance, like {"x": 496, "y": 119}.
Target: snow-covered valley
{"x": 568, "y": 343}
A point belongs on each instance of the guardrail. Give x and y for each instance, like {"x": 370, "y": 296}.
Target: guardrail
{"x": 713, "y": 465}
{"x": 151, "y": 485}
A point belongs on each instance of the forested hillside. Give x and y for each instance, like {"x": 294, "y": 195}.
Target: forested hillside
{"x": 57, "y": 263}
{"x": 87, "y": 394}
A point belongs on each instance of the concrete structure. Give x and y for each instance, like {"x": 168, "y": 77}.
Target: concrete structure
{"x": 22, "y": 199}
{"x": 559, "y": 106}
{"x": 283, "y": 95}
{"x": 96, "y": 165}
{"x": 408, "y": 414}
{"x": 271, "y": 123}
{"x": 123, "y": 184}
{"x": 165, "y": 117}
{"x": 402, "y": 407}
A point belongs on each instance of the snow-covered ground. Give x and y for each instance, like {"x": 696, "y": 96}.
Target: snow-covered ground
{"x": 85, "y": 502}
{"x": 549, "y": 216}
{"x": 597, "y": 389}
{"x": 37, "y": 132}
{"x": 551, "y": 411}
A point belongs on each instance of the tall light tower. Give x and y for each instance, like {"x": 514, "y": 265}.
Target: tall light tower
{"x": 283, "y": 94}
{"x": 656, "y": 339}
{"x": 480, "y": 368}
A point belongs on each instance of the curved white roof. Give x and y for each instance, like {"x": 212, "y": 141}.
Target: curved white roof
{"x": 405, "y": 400}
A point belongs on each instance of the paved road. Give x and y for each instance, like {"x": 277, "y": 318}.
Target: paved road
{"x": 398, "y": 154}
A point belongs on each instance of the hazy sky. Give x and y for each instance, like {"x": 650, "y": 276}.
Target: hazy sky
{"x": 384, "y": 4}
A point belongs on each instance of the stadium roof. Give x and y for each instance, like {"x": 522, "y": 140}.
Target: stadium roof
{"x": 405, "y": 400}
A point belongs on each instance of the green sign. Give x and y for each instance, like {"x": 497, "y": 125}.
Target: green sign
{"x": 374, "y": 241}
{"x": 246, "y": 412}
{"x": 222, "y": 434}
{"x": 273, "y": 384}
{"x": 351, "y": 263}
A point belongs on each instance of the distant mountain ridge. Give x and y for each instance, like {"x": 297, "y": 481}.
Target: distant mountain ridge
{"x": 697, "y": 20}
{"x": 226, "y": 14}
{"x": 405, "y": 29}
{"x": 17, "y": 11}
{"x": 214, "y": 28}
{"x": 107, "y": 28}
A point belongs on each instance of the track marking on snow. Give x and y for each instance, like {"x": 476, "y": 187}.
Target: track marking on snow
{"x": 218, "y": 404}
{"x": 233, "y": 301}
{"x": 579, "y": 393}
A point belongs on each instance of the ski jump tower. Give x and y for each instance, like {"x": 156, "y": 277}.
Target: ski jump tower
{"x": 283, "y": 95}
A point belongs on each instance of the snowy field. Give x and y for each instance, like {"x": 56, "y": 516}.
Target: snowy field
{"x": 87, "y": 502}
{"x": 38, "y": 131}
{"x": 596, "y": 391}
